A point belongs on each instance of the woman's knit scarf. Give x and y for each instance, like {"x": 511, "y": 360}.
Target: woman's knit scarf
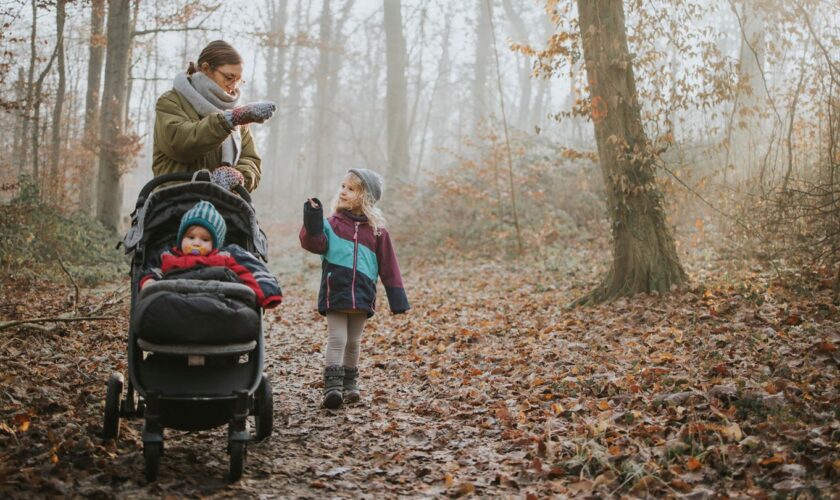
{"x": 206, "y": 97}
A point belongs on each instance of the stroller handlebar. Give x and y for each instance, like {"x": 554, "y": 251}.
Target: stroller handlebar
{"x": 186, "y": 177}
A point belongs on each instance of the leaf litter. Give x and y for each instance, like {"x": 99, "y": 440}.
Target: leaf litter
{"x": 489, "y": 387}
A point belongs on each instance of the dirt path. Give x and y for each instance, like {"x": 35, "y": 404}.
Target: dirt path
{"x": 489, "y": 387}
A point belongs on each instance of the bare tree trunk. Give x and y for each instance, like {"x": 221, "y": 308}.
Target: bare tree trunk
{"x": 336, "y": 61}
{"x": 112, "y": 125}
{"x": 397, "y": 90}
{"x": 791, "y": 122}
{"x": 30, "y": 88}
{"x": 442, "y": 75}
{"x": 746, "y": 128}
{"x": 372, "y": 112}
{"x": 132, "y": 26}
{"x": 418, "y": 79}
{"x": 19, "y": 141}
{"x": 321, "y": 82}
{"x": 482, "y": 54}
{"x": 521, "y": 33}
{"x": 443, "y": 102}
{"x": 291, "y": 134}
{"x": 38, "y": 135}
{"x": 96, "y": 56}
{"x": 54, "y": 175}
{"x": 512, "y": 184}
{"x": 538, "y": 112}
{"x": 644, "y": 255}
{"x": 276, "y": 79}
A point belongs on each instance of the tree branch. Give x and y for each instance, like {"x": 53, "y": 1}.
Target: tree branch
{"x": 832, "y": 69}
{"x": 169, "y": 30}
{"x": 72, "y": 280}
{"x": 10, "y": 324}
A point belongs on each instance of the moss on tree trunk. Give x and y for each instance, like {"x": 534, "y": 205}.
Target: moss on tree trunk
{"x": 644, "y": 255}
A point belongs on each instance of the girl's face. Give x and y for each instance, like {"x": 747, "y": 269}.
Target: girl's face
{"x": 197, "y": 241}
{"x": 226, "y": 76}
{"x": 350, "y": 195}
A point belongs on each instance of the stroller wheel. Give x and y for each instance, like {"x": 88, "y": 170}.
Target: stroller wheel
{"x": 111, "y": 421}
{"x": 264, "y": 416}
{"x": 238, "y": 450}
{"x": 151, "y": 454}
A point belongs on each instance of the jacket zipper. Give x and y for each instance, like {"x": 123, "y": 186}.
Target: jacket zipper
{"x": 329, "y": 275}
{"x": 355, "y": 258}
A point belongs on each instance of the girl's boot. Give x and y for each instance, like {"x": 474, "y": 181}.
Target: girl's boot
{"x": 351, "y": 384}
{"x": 333, "y": 380}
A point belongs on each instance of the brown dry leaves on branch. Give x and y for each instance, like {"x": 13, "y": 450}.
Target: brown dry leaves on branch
{"x": 488, "y": 387}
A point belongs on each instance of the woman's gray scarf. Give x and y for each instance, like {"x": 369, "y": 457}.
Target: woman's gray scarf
{"x": 207, "y": 97}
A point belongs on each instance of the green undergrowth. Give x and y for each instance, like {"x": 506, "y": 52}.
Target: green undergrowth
{"x": 35, "y": 239}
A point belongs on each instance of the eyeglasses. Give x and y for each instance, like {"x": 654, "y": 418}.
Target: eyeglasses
{"x": 230, "y": 79}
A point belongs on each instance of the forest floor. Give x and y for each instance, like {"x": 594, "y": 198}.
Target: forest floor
{"x": 490, "y": 386}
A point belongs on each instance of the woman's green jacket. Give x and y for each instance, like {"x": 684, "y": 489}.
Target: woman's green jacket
{"x": 185, "y": 142}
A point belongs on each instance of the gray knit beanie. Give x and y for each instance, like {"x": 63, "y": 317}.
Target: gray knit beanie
{"x": 371, "y": 180}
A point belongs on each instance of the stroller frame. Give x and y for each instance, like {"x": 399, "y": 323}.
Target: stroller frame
{"x": 196, "y": 404}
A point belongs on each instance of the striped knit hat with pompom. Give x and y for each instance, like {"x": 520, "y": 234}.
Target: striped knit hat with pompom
{"x": 204, "y": 214}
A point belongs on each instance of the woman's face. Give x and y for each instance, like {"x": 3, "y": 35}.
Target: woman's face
{"x": 350, "y": 194}
{"x": 226, "y": 76}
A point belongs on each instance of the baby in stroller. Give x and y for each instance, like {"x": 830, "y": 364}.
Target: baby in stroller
{"x": 196, "y": 347}
{"x": 202, "y": 236}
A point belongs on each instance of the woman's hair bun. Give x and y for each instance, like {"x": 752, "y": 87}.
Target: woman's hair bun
{"x": 191, "y": 68}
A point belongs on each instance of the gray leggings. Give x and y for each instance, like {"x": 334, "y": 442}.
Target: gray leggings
{"x": 345, "y": 336}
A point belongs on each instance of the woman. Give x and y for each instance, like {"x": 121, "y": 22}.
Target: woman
{"x": 197, "y": 123}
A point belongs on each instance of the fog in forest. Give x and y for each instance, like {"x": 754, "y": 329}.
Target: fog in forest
{"x": 473, "y": 103}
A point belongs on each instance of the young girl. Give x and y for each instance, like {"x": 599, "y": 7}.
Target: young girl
{"x": 355, "y": 249}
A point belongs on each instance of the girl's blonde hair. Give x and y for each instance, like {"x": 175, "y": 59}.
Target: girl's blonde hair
{"x": 375, "y": 217}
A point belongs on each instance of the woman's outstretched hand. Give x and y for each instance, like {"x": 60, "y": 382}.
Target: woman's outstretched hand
{"x": 313, "y": 204}
{"x": 255, "y": 112}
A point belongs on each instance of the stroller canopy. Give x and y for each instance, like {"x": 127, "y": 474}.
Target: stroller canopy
{"x": 157, "y": 215}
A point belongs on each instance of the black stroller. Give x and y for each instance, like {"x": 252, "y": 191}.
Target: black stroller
{"x": 187, "y": 369}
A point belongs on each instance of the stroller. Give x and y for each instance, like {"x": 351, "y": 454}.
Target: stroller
{"x": 195, "y": 340}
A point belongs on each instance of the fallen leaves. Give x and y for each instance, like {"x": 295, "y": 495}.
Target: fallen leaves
{"x": 490, "y": 387}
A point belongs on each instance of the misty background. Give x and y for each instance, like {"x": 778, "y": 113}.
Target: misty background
{"x": 735, "y": 98}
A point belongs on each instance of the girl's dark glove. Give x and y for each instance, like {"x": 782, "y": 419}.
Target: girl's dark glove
{"x": 313, "y": 218}
{"x": 255, "y": 112}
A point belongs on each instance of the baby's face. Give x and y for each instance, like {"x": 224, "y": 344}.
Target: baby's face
{"x": 197, "y": 241}
{"x": 350, "y": 195}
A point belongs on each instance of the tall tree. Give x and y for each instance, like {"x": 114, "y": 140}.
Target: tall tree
{"x": 745, "y": 128}
{"x": 322, "y": 75}
{"x": 60, "y": 18}
{"x": 112, "y": 123}
{"x": 644, "y": 255}
{"x": 275, "y": 80}
{"x": 37, "y": 133}
{"x": 337, "y": 58}
{"x": 482, "y": 55}
{"x": 291, "y": 137}
{"x": 521, "y": 33}
{"x": 96, "y": 56}
{"x": 19, "y": 142}
{"x": 23, "y": 155}
{"x": 397, "y": 89}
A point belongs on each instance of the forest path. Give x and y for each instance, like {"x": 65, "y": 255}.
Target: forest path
{"x": 488, "y": 386}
